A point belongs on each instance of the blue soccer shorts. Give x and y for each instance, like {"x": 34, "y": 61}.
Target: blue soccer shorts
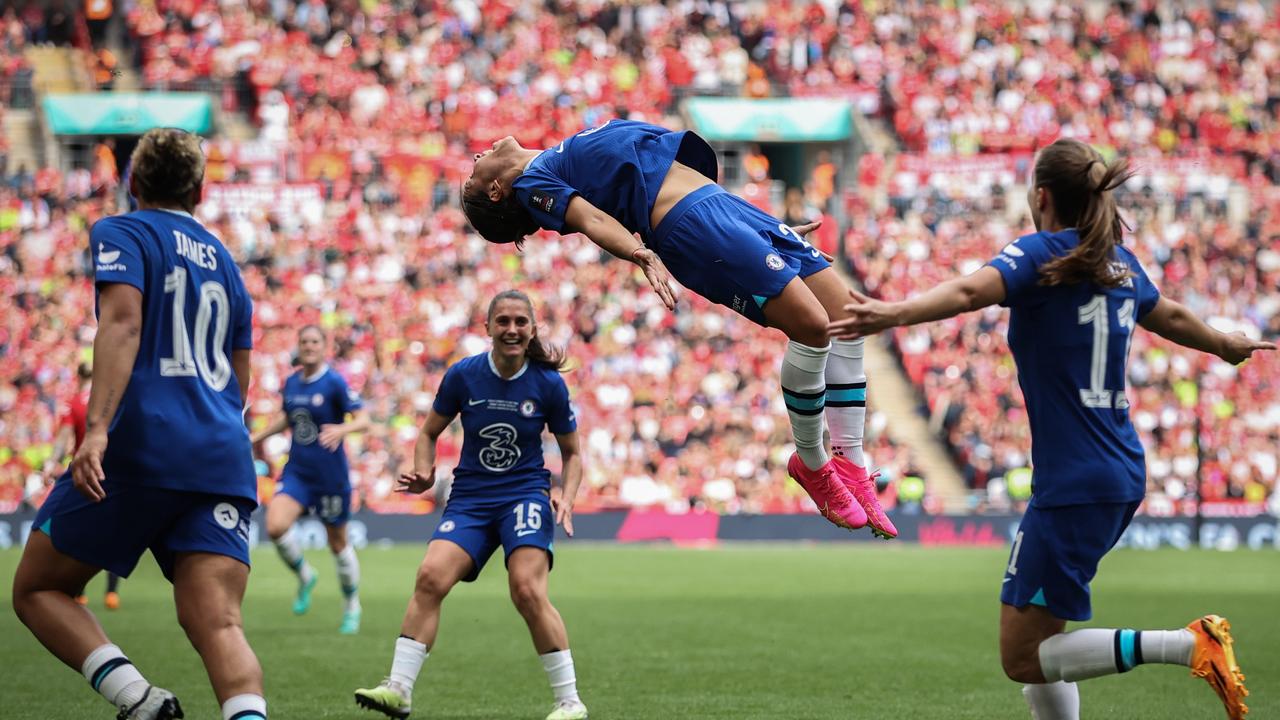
{"x": 114, "y": 533}
{"x": 731, "y": 252}
{"x": 480, "y": 529}
{"x": 1056, "y": 553}
{"x": 325, "y": 495}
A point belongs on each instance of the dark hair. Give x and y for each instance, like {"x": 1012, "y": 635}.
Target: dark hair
{"x": 1080, "y": 182}
{"x": 167, "y": 166}
{"x": 502, "y": 222}
{"x": 313, "y": 326}
{"x": 546, "y": 355}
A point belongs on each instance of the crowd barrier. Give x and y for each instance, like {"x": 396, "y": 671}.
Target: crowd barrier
{"x": 702, "y": 529}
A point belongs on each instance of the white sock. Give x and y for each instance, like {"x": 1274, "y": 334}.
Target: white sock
{"x": 111, "y": 674}
{"x": 1053, "y": 701}
{"x": 291, "y": 552}
{"x": 349, "y": 576}
{"x": 846, "y": 409}
{"x": 410, "y": 654}
{"x": 804, "y": 390}
{"x": 245, "y": 707}
{"x": 1095, "y": 652}
{"x": 559, "y": 667}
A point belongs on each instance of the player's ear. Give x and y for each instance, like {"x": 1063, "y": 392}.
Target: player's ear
{"x": 495, "y": 191}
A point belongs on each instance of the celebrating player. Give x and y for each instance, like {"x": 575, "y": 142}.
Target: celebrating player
{"x": 71, "y": 431}
{"x": 165, "y": 464}
{"x": 1076, "y": 295}
{"x": 316, "y": 479}
{"x": 628, "y": 177}
{"x": 501, "y": 496}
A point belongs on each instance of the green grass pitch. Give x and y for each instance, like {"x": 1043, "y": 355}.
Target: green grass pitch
{"x": 771, "y": 631}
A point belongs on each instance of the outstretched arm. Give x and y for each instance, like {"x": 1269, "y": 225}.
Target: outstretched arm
{"x": 605, "y": 230}
{"x": 424, "y": 455}
{"x": 572, "y": 473}
{"x": 963, "y": 294}
{"x": 276, "y": 426}
{"x": 1173, "y": 321}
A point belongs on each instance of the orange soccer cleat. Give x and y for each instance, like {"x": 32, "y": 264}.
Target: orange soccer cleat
{"x": 1214, "y": 659}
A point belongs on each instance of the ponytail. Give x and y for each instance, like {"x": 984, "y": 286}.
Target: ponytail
{"x": 1081, "y": 184}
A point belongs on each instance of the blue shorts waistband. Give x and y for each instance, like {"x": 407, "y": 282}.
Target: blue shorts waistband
{"x": 686, "y": 204}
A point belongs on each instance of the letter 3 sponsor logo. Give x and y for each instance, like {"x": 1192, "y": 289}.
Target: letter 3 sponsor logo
{"x": 773, "y": 262}
{"x": 446, "y": 526}
{"x": 226, "y": 515}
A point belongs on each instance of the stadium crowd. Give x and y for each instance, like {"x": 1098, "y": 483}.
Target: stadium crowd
{"x": 382, "y": 104}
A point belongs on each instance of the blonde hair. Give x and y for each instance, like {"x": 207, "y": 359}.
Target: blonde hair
{"x": 168, "y": 166}
{"x": 1081, "y": 184}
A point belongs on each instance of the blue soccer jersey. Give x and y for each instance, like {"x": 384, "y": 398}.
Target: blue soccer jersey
{"x": 310, "y": 404}
{"x": 617, "y": 167}
{"x": 1071, "y": 345}
{"x": 179, "y": 425}
{"x": 502, "y": 423}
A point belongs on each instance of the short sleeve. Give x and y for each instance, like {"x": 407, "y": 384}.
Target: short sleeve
{"x": 242, "y": 333}
{"x": 1148, "y": 293}
{"x": 1019, "y": 264}
{"x": 117, "y": 254}
{"x": 561, "y": 419}
{"x": 448, "y": 400}
{"x": 544, "y": 195}
{"x": 349, "y": 400}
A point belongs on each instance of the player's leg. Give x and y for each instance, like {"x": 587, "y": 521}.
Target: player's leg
{"x": 286, "y": 506}
{"x": 112, "y": 598}
{"x": 846, "y": 404}
{"x": 48, "y": 579}
{"x": 344, "y": 555}
{"x": 208, "y": 590}
{"x": 445, "y": 565}
{"x": 528, "y": 568}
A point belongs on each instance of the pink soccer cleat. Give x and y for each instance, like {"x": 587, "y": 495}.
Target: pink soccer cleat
{"x": 863, "y": 489}
{"x": 828, "y": 493}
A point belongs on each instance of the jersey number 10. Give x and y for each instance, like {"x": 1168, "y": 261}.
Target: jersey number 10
{"x": 208, "y": 360}
{"x": 1094, "y": 313}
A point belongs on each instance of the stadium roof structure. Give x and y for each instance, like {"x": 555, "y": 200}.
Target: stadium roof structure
{"x": 127, "y": 113}
{"x": 771, "y": 119}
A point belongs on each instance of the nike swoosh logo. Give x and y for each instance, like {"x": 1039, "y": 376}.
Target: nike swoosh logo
{"x": 561, "y": 148}
{"x": 522, "y": 533}
{"x": 1005, "y": 580}
{"x": 105, "y": 256}
{"x": 473, "y": 403}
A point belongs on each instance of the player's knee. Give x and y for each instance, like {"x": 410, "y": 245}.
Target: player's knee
{"x": 527, "y": 595}
{"x": 200, "y": 621}
{"x": 1021, "y": 667}
{"x": 809, "y": 328}
{"x": 276, "y": 530}
{"x": 430, "y": 584}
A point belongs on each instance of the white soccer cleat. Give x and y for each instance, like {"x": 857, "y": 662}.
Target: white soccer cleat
{"x": 568, "y": 710}
{"x": 156, "y": 704}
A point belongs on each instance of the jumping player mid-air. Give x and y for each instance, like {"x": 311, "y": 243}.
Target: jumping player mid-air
{"x": 316, "y": 479}
{"x": 626, "y": 178}
{"x": 165, "y": 464}
{"x": 1076, "y": 295}
{"x": 501, "y": 497}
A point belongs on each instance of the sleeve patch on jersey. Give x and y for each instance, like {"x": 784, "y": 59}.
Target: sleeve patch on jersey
{"x": 542, "y": 201}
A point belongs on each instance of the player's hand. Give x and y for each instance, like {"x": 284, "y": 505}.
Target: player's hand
{"x": 1237, "y": 347}
{"x": 86, "y": 466}
{"x": 866, "y": 317}
{"x": 330, "y": 437}
{"x": 563, "y": 510}
{"x": 807, "y": 228}
{"x": 416, "y": 483}
{"x": 656, "y": 273}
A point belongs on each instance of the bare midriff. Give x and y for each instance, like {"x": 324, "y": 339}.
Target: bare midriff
{"x": 680, "y": 181}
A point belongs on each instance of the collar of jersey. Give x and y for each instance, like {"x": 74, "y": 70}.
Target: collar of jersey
{"x": 489, "y": 356}
{"x": 183, "y": 213}
{"x": 319, "y": 374}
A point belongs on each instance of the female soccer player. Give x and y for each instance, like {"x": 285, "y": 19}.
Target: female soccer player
{"x": 628, "y": 177}
{"x": 316, "y": 479}
{"x": 501, "y": 496}
{"x": 1075, "y": 295}
{"x": 165, "y": 464}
